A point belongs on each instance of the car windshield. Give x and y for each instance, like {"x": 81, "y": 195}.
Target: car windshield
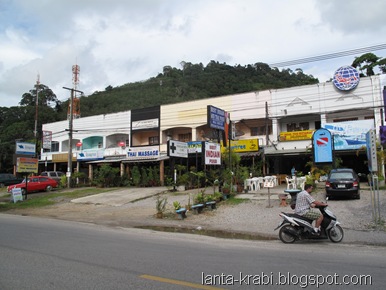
{"x": 341, "y": 175}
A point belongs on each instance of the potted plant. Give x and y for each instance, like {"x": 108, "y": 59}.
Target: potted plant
{"x": 226, "y": 190}
{"x": 182, "y": 181}
{"x": 160, "y": 206}
{"x": 180, "y": 211}
{"x": 198, "y": 202}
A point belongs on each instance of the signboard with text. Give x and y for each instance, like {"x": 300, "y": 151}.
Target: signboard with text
{"x": 296, "y": 135}
{"x": 146, "y": 152}
{"x": 216, "y": 118}
{"x": 177, "y": 149}
{"x": 212, "y": 153}
{"x": 28, "y": 165}
{"x": 24, "y": 148}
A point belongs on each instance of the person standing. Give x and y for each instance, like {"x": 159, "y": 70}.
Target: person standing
{"x": 293, "y": 172}
{"x": 305, "y": 204}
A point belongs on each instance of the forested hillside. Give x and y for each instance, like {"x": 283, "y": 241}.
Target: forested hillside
{"x": 191, "y": 82}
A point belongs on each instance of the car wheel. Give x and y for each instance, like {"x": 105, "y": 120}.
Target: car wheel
{"x": 23, "y": 191}
{"x": 49, "y": 188}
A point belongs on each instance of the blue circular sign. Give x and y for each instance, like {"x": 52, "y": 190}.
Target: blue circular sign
{"x": 346, "y": 78}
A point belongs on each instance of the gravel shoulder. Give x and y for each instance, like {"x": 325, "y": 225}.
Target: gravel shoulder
{"x": 253, "y": 216}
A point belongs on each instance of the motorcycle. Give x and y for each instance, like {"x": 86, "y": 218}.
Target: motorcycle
{"x": 294, "y": 227}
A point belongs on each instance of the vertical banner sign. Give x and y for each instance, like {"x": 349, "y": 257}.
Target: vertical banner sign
{"x": 322, "y": 146}
{"x": 47, "y": 139}
{"x": 226, "y": 128}
{"x": 371, "y": 151}
{"x": 212, "y": 153}
{"x": 382, "y": 134}
{"x": 384, "y": 100}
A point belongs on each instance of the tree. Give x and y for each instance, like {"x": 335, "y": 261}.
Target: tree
{"x": 367, "y": 62}
{"x": 45, "y": 97}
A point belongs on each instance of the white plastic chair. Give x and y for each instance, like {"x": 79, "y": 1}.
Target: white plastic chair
{"x": 301, "y": 182}
{"x": 290, "y": 183}
{"x": 255, "y": 184}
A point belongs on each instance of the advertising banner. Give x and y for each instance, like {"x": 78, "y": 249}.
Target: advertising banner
{"x": 350, "y": 135}
{"x": 371, "y": 150}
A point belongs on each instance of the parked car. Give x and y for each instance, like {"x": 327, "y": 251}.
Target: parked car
{"x": 35, "y": 183}
{"x": 55, "y": 175}
{"x": 343, "y": 182}
{"x": 9, "y": 179}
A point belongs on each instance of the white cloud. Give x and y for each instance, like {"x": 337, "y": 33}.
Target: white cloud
{"x": 120, "y": 41}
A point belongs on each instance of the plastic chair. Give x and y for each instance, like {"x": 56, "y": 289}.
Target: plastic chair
{"x": 290, "y": 183}
{"x": 255, "y": 184}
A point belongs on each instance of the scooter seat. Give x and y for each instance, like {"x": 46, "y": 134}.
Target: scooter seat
{"x": 299, "y": 217}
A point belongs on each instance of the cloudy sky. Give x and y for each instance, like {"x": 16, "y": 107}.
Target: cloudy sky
{"x": 121, "y": 41}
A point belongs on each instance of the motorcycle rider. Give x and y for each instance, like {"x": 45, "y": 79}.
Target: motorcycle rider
{"x": 304, "y": 204}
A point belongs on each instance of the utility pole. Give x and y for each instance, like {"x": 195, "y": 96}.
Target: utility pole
{"x": 70, "y": 130}
{"x": 36, "y": 114}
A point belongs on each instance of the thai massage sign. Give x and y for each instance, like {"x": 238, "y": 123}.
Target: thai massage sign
{"x": 146, "y": 152}
{"x": 296, "y": 135}
{"x": 212, "y": 153}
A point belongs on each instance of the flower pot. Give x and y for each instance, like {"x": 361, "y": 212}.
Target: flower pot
{"x": 160, "y": 215}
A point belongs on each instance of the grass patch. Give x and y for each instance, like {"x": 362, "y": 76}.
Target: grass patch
{"x": 49, "y": 198}
{"x": 233, "y": 200}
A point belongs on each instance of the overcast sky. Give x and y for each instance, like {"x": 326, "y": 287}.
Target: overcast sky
{"x": 122, "y": 41}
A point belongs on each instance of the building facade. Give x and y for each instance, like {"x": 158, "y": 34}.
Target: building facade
{"x": 280, "y": 121}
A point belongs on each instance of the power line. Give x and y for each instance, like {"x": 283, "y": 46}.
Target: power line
{"x": 329, "y": 56}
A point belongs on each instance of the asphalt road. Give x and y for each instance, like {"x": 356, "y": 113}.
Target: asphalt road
{"x": 40, "y": 253}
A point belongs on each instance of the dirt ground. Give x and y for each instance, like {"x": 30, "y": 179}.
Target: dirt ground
{"x": 253, "y": 216}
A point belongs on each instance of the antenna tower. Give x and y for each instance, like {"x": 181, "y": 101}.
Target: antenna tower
{"x": 75, "y": 102}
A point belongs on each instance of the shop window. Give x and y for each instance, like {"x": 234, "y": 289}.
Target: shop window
{"x": 291, "y": 127}
{"x": 54, "y": 146}
{"x": 153, "y": 140}
{"x": 254, "y": 131}
{"x": 304, "y": 126}
{"x": 185, "y": 137}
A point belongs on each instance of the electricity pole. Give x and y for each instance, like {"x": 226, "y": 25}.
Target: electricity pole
{"x": 70, "y": 130}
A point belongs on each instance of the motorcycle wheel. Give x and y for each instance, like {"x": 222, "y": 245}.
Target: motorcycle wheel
{"x": 335, "y": 234}
{"x": 284, "y": 237}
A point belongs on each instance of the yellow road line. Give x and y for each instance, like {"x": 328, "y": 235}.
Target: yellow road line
{"x": 178, "y": 282}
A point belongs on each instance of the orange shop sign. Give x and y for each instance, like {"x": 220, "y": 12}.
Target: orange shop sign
{"x": 296, "y": 135}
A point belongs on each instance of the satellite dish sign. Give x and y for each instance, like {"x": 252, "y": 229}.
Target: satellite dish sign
{"x": 322, "y": 145}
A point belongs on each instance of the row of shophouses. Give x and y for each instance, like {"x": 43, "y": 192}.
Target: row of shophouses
{"x": 275, "y": 126}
